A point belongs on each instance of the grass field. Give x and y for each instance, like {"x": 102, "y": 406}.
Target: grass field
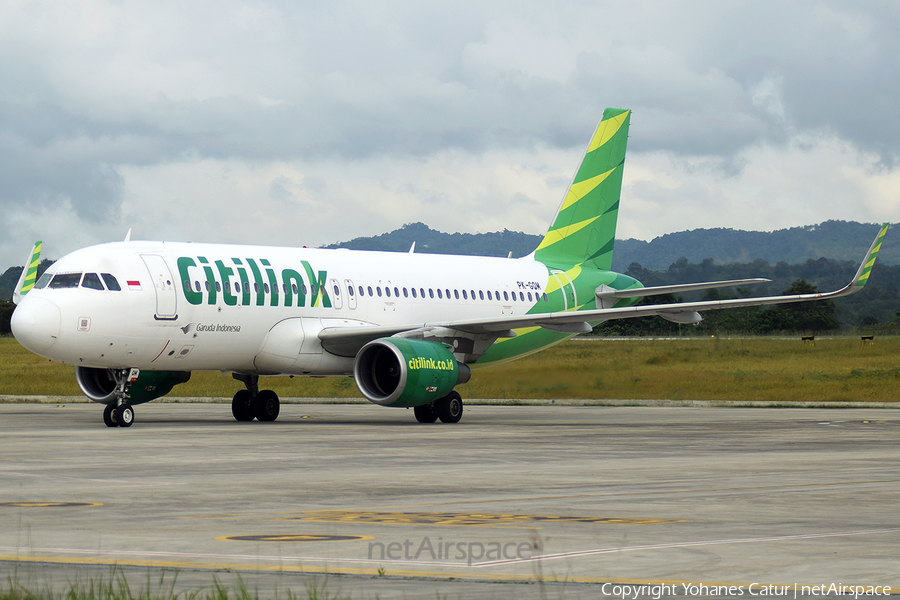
{"x": 744, "y": 369}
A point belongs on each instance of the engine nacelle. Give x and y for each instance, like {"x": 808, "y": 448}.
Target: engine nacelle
{"x": 405, "y": 372}
{"x": 100, "y": 384}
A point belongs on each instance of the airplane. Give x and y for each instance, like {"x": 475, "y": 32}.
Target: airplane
{"x": 135, "y": 318}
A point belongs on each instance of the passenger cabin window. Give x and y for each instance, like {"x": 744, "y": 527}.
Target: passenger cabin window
{"x": 65, "y": 280}
{"x": 91, "y": 281}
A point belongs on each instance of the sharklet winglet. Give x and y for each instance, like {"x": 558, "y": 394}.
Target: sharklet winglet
{"x": 29, "y": 273}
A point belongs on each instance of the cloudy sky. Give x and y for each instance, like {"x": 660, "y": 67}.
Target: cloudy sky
{"x": 307, "y": 123}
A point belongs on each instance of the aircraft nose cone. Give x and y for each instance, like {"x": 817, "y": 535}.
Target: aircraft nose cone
{"x": 35, "y": 324}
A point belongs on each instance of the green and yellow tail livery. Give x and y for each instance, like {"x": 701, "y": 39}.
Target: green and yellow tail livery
{"x": 29, "y": 273}
{"x": 584, "y": 229}
{"x": 862, "y": 275}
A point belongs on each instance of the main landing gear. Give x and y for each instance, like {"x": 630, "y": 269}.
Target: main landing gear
{"x": 448, "y": 409}
{"x": 119, "y": 413}
{"x": 252, "y": 402}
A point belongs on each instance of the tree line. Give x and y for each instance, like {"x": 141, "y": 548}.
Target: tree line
{"x": 874, "y": 309}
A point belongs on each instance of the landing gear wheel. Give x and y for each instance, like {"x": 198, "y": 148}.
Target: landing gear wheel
{"x": 109, "y": 415}
{"x": 426, "y": 413}
{"x": 125, "y": 415}
{"x": 450, "y": 408}
{"x": 266, "y": 406}
{"x": 241, "y": 407}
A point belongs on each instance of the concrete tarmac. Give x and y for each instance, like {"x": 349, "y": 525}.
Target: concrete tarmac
{"x": 513, "y": 501}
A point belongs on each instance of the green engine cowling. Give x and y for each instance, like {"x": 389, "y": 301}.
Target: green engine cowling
{"x": 100, "y": 384}
{"x": 405, "y": 372}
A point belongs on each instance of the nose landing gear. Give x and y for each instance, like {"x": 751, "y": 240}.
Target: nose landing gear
{"x": 119, "y": 413}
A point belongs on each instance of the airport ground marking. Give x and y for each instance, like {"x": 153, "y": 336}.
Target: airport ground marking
{"x": 648, "y": 493}
{"x": 331, "y": 570}
{"x": 461, "y": 519}
{"x": 304, "y": 537}
{"x": 50, "y": 504}
{"x": 663, "y": 546}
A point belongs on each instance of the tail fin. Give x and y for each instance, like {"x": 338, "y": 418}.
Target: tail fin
{"x": 585, "y": 226}
{"x": 29, "y": 273}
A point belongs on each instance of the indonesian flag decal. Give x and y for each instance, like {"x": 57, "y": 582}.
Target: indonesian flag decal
{"x": 134, "y": 285}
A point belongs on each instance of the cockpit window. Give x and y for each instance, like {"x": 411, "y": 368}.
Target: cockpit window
{"x": 65, "y": 280}
{"x": 91, "y": 281}
{"x": 111, "y": 283}
{"x": 43, "y": 281}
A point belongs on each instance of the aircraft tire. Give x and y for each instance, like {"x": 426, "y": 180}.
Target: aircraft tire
{"x": 266, "y": 406}
{"x": 109, "y": 415}
{"x": 241, "y": 407}
{"x": 426, "y": 413}
{"x": 125, "y": 415}
{"x": 450, "y": 408}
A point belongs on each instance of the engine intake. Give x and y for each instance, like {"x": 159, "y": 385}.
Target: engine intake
{"x": 100, "y": 384}
{"x": 405, "y": 372}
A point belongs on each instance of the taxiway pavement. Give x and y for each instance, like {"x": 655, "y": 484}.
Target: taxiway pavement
{"x": 513, "y": 501}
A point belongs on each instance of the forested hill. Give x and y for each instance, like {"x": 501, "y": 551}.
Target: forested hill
{"x": 837, "y": 240}
{"x": 429, "y": 241}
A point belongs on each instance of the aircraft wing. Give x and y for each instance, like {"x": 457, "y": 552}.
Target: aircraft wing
{"x": 346, "y": 340}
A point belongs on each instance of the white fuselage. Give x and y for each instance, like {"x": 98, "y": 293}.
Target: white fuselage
{"x": 186, "y": 306}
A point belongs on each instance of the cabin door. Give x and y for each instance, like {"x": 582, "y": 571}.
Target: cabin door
{"x": 161, "y": 276}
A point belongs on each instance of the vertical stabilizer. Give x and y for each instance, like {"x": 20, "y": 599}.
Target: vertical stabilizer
{"x": 29, "y": 273}
{"x": 584, "y": 229}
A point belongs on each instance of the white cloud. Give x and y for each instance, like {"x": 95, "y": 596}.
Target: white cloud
{"x": 330, "y": 121}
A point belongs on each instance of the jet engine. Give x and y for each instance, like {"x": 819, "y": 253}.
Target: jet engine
{"x": 100, "y": 384}
{"x": 406, "y": 372}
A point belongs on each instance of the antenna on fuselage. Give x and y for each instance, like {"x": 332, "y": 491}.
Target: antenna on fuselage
{"x": 128, "y": 236}
{"x": 412, "y": 249}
